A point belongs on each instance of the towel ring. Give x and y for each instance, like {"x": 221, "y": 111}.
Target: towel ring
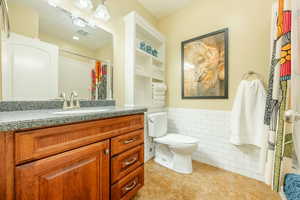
{"x": 258, "y": 76}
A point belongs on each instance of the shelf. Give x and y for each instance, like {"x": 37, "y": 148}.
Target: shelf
{"x": 147, "y": 68}
{"x": 144, "y": 74}
{"x": 147, "y": 55}
{"x": 140, "y": 71}
{"x": 150, "y": 34}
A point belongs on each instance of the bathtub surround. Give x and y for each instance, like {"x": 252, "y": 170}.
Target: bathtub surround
{"x": 212, "y": 128}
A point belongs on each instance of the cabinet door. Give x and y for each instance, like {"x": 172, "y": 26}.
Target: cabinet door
{"x": 81, "y": 174}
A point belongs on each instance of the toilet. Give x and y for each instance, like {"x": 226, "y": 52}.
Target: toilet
{"x": 172, "y": 150}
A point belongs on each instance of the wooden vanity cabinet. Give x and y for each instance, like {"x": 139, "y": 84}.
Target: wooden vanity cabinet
{"x": 82, "y": 173}
{"x": 98, "y": 160}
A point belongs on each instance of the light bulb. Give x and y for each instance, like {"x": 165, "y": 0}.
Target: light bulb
{"x": 102, "y": 12}
{"x": 84, "y": 4}
{"x": 53, "y": 3}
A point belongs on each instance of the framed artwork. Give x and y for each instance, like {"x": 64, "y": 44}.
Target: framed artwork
{"x": 205, "y": 66}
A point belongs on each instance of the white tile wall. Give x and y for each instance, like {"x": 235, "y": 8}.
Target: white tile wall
{"x": 213, "y": 131}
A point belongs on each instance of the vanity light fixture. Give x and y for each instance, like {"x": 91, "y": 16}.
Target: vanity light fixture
{"x": 84, "y": 4}
{"x": 75, "y": 38}
{"x": 102, "y": 12}
{"x": 79, "y": 22}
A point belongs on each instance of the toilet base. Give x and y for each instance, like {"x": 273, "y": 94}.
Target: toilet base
{"x": 174, "y": 161}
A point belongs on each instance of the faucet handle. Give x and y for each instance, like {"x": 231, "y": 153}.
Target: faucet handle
{"x": 74, "y": 93}
{"x": 64, "y": 97}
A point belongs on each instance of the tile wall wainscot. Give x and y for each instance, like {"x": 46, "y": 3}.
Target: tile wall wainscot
{"x": 212, "y": 128}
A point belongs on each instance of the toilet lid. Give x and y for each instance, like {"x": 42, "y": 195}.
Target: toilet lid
{"x": 172, "y": 138}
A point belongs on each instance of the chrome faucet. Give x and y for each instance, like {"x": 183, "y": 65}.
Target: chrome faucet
{"x": 74, "y": 97}
{"x": 69, "y": 104}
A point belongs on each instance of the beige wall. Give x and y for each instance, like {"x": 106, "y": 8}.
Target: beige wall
{"x": 68, "y": 46}
{"x": 24, "y": 20}
{"x": 105, "y": 53}
{"x": 249, "y": 42}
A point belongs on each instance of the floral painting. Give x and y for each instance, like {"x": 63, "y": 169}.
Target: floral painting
{"x": 205, "y": 66}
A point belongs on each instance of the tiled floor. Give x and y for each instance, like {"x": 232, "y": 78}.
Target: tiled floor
{"x": 206, "y": 183}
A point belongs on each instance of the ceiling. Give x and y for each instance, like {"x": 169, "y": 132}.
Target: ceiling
{"x": 58, "y": 24}
{"x": 162, "y": 8}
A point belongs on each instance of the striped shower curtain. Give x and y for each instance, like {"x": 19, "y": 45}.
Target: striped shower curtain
{"x": 280, "y": 151}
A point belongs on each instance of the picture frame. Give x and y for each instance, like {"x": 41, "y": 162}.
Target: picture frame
{"x": 204, "y": 65}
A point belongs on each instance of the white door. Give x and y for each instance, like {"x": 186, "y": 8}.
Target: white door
{"x": 29, "y": 69}
{"x": 294, "y": 114}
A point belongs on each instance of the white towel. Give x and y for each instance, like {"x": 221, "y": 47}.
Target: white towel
{"x": 162, "y": 93}
{"x": 158, "y": 103}
{"x": 159, "y": 98}
{"x": 159, "y": 87}
{"x": 247, "y": 116}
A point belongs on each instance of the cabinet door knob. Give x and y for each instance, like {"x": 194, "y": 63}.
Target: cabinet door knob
{"x": 106, "y": 151}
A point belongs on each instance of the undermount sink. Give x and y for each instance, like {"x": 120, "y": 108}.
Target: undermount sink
{"x": 70, "y": 112}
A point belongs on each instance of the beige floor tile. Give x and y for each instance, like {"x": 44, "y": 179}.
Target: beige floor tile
{"x": 206, "y": 183}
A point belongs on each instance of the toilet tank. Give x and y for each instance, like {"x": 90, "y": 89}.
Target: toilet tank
{"x": 157, "y": 124}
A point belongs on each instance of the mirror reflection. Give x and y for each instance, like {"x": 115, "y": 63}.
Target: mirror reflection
{"x": 51, "y": 51}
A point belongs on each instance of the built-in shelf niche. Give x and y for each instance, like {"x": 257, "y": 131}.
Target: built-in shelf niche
{"x": 142, "y": 68}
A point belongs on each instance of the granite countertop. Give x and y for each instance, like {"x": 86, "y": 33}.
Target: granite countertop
{"x": 22, "y": 120}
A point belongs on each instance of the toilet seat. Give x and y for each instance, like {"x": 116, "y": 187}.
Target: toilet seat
{"x": 176, "y": 139}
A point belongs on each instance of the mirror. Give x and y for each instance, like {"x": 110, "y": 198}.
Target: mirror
{"x": 51, "y": 51}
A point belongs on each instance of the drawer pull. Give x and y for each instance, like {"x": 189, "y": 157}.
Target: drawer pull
{"x": 131, "y": 186}
{"x": 106, "y": 151}
{"x": 130, "y": 141}
{"x": 130, "y": 162}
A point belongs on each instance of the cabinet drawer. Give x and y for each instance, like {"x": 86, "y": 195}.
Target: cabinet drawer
{"x": 127, "y": 187}
{"x": 126, "y": 162}
{"x": 127, "y": 141}
{"x": 40, "y": 143}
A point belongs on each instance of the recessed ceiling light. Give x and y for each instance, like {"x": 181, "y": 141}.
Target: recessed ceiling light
{"x": 79, "y": 22}
{"x": 84, "y": 4}
{"x": 75, "y": 38}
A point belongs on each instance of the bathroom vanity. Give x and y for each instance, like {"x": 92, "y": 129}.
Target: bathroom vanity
{"x": 95, "y": 152}
{"x": 83, "y": 156}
